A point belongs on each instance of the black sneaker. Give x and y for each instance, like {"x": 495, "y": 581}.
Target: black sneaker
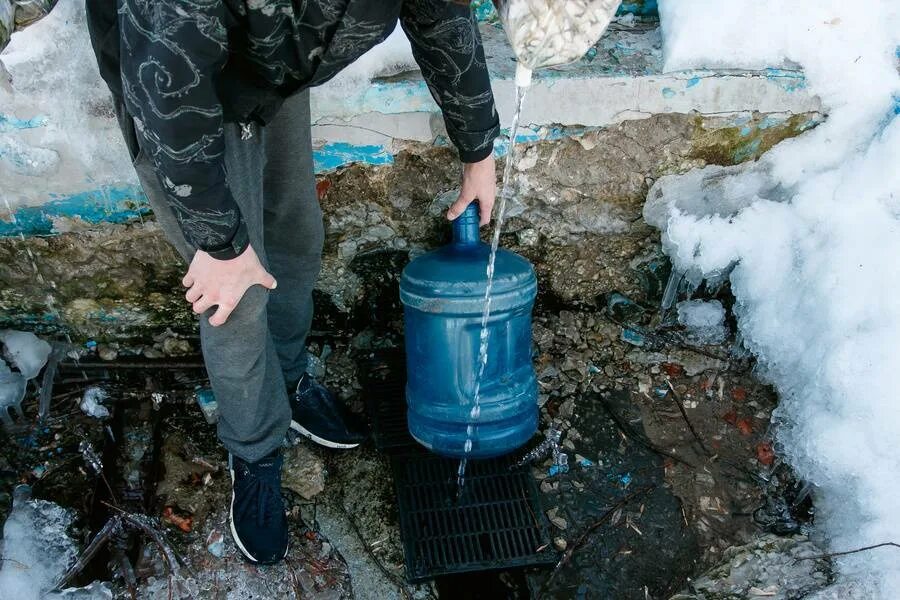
{"x": 318, "y": 415}
{"x": 258, "y": 523}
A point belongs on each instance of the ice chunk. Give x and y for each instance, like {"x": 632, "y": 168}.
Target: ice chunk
{"x": 37, "y": 550}
{"x": 26, "y": 351}
{"x": 92, "y": 402}
{"x": 12, "y": 392}
{"x": 704, "y": 320}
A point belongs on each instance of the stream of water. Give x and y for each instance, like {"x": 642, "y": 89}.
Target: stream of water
{"x": 475, "y": 413}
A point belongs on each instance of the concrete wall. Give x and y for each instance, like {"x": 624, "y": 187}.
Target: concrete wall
{"x": 597, "y": 134}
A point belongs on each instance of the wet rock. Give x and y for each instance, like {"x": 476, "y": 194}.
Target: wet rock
{"x": 303, "y": 472}
{"x": 307, "y": 572}
{"x": 556, "y": 520}
{"x": 152, "y": 353}
{"x": 174, "y": 346}
{"x": 107, "y": 352}
{"x": 692, "y": 363}
{"x": 356, "y": 514}
{"x": 527, "y": 237}
{"x": 770, "y": 567}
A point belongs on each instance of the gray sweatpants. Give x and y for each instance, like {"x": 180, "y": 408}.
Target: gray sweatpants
{"x": 263, "y": 343}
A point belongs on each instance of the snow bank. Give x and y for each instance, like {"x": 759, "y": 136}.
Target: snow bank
{"x": 812, "y": 233}
{"x": 25, "y": 350}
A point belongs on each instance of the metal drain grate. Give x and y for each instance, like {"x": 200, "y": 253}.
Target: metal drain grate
{"x": 384, "y": 379}
{"x": 497, "y": 522}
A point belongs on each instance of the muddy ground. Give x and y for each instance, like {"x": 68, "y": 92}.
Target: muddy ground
{"x": 671, "y": 464}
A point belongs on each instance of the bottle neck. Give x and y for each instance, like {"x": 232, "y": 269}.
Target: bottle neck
{"x": 465, "y": 227}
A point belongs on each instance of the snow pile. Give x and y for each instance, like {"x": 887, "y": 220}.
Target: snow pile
{"x": 704, "y": 321}
{"x": 811, "y": 234}
{"x": 36, "y": 550}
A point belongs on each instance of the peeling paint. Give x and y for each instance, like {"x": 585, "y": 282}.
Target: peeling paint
{"x": 770, "y": 121}
{"x": 338, "y": 154}
{"x": 789, "y": 81}
{"x": 11, "y": 122}
{"x": 692, "y": 82}
{"x": 668, "y": 92}
{"x": 747, "y": 151}
{"x": 484, "y": 10}
{"x": 532, "y": 134}
{"x": 103, "y": 205}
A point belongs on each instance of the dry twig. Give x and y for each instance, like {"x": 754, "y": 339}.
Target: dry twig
{"x": 690, "y": 425}
{"x": 846, "y": 552}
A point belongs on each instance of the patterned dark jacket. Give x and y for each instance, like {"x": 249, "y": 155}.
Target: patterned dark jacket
{"x": 185, "y": 67}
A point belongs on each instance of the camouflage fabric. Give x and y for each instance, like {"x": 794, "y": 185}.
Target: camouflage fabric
{"x": 183, "y": 68}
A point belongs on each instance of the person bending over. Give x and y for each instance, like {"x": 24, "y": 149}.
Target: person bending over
{"x": 212, "y": 98}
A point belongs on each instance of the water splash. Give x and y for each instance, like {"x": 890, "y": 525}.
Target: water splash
{"x": 475, "y": 412}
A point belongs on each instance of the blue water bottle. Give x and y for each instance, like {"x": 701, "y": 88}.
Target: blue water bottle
{"x": 443, "y": 300}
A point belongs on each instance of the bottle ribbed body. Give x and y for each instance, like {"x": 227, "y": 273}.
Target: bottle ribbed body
{"x": 443, "y": 297}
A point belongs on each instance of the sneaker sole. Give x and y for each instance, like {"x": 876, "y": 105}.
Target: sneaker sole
{"x": 321, "y": 441}
{"x": 237, "y": 540}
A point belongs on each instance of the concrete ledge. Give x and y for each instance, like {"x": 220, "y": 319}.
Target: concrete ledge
{"x": 620, "y": 79}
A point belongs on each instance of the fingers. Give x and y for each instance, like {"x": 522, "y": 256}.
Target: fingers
{"x": 193, "y": 294}
{"x": 224, "y": 308}
{"x": 267, "y": 281}
{"x": 222, "y": 284}
{"x": 203, "y": 304}
{"x": 221, "y": 315}
{"x": 486, "y": 207}
{"x": 459, "y": 206}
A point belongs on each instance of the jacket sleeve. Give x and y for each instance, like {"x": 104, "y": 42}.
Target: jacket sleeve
{"x": 447, "y": 46}
{"x": 171, "y": 52}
